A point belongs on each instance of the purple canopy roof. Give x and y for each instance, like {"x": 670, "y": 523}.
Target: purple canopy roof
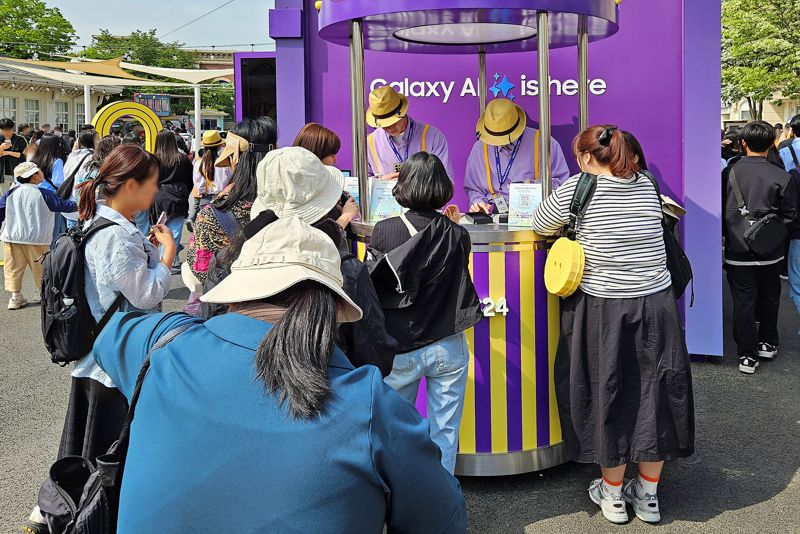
{"x": 461, "y": 26}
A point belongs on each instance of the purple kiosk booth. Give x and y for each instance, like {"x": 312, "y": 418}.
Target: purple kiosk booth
{"x": 510, "y": 423}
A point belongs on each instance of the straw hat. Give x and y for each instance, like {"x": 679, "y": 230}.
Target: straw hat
{"x": 212, "y": 138}
{"x": 293, "y": 182}
{"x": 502, "y": 123}
{"x": 283, "y": 254}
{"x": 386, "y": 107}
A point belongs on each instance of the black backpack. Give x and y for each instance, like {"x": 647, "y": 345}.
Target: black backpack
{"x": 68, "y": 327}
{"x": 678, "y": 265}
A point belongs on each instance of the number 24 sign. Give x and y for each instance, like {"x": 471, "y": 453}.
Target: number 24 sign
{"x": 492, "y": 307}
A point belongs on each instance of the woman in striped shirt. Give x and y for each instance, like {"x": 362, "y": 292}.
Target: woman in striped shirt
{"x": 622, "y": 372}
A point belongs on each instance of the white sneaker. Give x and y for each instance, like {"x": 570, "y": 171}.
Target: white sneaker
{"x": 613, "y": 506}
{"x": 646, "y": 507}
{"x": 767, "y": 351}
{"x": 15, "y": 303}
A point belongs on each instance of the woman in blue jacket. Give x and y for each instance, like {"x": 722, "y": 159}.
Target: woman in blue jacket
{"x": 255, "y": 422}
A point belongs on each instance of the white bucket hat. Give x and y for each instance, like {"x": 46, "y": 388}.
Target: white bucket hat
{"x": 280, "y": 256}
{"x": 293, "y": 182}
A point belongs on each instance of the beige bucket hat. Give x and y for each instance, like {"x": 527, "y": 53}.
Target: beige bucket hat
{"x": 386, "y": 107}
{"x": 502, "y": 123}
{"x": 293, "y": 182}
{"x": 283, "y": 254}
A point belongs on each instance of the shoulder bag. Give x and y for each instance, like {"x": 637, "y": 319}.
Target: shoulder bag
{"x": 765, "y": 235}
{"x": 81, "y": 498}
{"x": 563, "y": 270}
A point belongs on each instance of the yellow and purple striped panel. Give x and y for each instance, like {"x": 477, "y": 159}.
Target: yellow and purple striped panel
{"x": 510, "y": 403}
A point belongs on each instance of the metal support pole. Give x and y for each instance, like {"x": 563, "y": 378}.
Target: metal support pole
{"x": 357, "y": 105}
{"x": 545, "y": 170}
{"x": 197, "y": 118}
{"x": 88, "y": 109}
{"x": 482, "y": 78}
{"x": 583, "y": 72}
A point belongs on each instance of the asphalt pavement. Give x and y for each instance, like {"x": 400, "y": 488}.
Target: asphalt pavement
{"x": 742, "y": 479}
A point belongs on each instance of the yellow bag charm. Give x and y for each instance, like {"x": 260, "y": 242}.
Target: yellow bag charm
{"x": 563, "y": 270}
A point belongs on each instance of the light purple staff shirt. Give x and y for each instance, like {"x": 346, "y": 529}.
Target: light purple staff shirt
{"x": 475, "y": 182}
{"x": 435, "y": 143}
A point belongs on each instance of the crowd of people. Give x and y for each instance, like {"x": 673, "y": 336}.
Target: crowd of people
{"x": 283, "y": 397}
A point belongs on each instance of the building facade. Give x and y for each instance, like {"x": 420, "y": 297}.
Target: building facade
{"x": 35, "y": 100}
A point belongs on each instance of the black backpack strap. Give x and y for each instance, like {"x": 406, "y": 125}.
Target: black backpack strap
{"x": 794, "y": 155}
{"x": 65, "y": 190}
{"x": 98, "y": 224}
{"x": 737, "y": 193}
{"x": 584, "y": 191}
{"x": 230, "y": 225}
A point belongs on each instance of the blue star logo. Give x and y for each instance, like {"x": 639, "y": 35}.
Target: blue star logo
{"x": 504, "y": 86}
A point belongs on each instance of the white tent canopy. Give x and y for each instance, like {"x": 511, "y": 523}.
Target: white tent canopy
{"x": 192, "y": 76}
{"x": 64, "y": 72}
{"x": 86, "y": 79}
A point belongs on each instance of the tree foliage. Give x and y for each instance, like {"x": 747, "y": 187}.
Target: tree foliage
{"x": 760, "y": 58}
{"x": 29, "y": 26}
{"x": 141, "y": 47}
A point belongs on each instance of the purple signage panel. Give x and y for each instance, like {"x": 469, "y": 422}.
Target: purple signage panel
{"x": 640, "y": 79}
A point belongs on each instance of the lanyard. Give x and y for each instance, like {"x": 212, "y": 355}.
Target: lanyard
{"x": 400, "y": 159}
{"x": 503, "y": 176}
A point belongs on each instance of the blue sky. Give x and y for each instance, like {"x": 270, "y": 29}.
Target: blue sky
{"x": 243, "y": 21}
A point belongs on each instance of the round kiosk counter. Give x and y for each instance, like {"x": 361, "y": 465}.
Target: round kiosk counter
{"x": 510, "y": 423}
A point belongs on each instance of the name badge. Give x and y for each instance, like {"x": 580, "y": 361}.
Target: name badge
{"x": 501, "y": 204}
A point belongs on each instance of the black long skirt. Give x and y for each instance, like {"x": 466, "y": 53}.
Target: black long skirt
{"x": 94, "y": 419}
{"x": 623, "y": 380}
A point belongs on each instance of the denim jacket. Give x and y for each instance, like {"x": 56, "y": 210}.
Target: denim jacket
{"x": 120, "y": 260}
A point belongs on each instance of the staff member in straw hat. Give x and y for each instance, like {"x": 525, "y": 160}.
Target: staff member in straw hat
{"x": 398, "y": 136}
{"x": 507, "y": 152}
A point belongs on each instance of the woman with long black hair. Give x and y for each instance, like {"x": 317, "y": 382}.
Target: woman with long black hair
{"x": 48, "y": 158}
{"x": 230, "y": 211}
{"x": 300, "y": 439}
{"x": 174, "y": 186}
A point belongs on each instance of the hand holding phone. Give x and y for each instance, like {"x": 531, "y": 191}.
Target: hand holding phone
{"x": 162, "y": 219}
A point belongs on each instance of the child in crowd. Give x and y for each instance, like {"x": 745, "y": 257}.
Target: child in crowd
{"x": 27, "y": 212}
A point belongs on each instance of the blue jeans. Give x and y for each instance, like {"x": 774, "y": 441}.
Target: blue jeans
{"x": 142, "y": 222}
{"x": 444, "y": 365}
{"x": 794, "y": 271}
{"x": 176, "y": 227}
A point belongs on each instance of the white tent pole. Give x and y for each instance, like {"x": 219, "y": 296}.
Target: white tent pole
{"x": 87, "y": 104}
{"x": 197, "y": 118}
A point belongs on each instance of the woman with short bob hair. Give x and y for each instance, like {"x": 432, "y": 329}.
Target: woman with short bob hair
{"x": 301, "y": 440}
{"x": 321, "y": 141}
{"x": 429, "y": 325}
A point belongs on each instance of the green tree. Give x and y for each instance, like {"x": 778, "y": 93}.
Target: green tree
{"x": 141, "y": 47}
{"x": 29, "y": 26}
{"x": 760, "y": 59}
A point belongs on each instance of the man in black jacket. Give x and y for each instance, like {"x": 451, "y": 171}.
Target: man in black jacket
{"x": 755, "y": 280}
{"x": 11, "y": 148}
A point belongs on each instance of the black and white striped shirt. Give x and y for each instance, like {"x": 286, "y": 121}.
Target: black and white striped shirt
{"x": 621, "y": 235}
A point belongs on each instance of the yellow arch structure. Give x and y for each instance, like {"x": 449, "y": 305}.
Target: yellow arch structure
{"x": 116, "y": 110}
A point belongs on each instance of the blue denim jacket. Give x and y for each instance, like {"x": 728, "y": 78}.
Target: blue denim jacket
{"x": 212, "y": 450}
{"x": 120, "y": 260}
